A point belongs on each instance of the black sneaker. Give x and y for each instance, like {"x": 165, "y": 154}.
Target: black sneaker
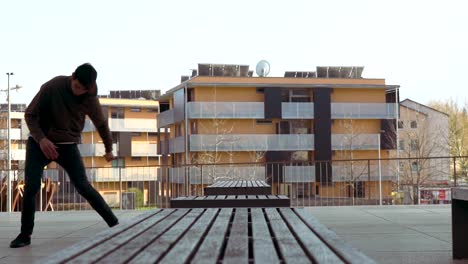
{"x": 113, "y": 223}
{"x": 21, "y": 240}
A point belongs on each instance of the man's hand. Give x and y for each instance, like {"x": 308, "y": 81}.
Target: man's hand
{"x": 49, "y": 149}
{"x": 109, "y": 156}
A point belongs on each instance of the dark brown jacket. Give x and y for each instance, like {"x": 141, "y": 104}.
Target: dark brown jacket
{"x": 59, "y": 115}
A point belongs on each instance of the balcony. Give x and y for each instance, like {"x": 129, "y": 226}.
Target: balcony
{"x": 94, "y": 150}
{"x": 123, "y": 174}
{"x": 355, "y": 141}
{"x": 354, "y": 171}
{"x": 16, "y": 154}
{"x": 142, "y": 149}
{"x": 225, "y": 110}
{"x": 166, "y": 118}
{"x": 126, "y": 125}
{"x": 251, "y": 142}
{"x": 299, "y": 174}
{"x": 15, "y": 134}
{"x": 177, "y": 145}
{"x": 213, "y": 173}
{"x": 363, "y": 110}
{"x": 297, "y": 110}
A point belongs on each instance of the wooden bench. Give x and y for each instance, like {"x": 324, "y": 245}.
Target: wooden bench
{"x": 238, "y": 188}
{"x": 460, "y": 223}
{"x": 224, "y": 201}
{"x": 215, "y": 235}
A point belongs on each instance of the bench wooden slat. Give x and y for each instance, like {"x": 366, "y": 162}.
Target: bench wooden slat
{"x": 102, "y": 236}
{"x": 152, "y": 253}
{"x": 319, "y": 251}
{"x": 99, "y": 251}
{"x": 223, "y": 201}
{"x": 241, "y": 187}
{"x": 210, "y": 249}
{"x": 132, "y": 247}
{"x": 263, "y": 248}
{"x": 237, "y": 249}
{"x": 288, "y": 245}
{"x": 344, "y": 250}
{"x": 183, "y": 249}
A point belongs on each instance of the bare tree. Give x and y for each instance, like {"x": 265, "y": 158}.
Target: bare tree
{"x": 352, "y": 141}
{"x": 458, "y": 133}
{"x": 417, "y": 145}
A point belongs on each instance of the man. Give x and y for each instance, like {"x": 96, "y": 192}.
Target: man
{"x": 55, "y": 119}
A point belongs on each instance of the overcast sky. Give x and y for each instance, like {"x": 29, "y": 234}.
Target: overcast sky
{"x": 420, "y": 45}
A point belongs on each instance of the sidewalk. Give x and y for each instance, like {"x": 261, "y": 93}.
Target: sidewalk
{"x": 389, "y": 234}
{"x": 394, "y": 234}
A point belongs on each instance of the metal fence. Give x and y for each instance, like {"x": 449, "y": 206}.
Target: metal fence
{"x": 328, "y": 183}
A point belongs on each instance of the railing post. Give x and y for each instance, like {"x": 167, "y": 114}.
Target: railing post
{"x": 455, "y": 171}
{"x": 368, "y": 178}
{"x": 201, "y": 180}
{"x": 120, "y": 187}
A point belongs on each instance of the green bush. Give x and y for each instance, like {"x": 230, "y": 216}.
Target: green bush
{"x": 138, "y": 196}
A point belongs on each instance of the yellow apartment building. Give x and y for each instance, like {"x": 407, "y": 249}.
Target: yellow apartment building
{"x": 18, "y": 138}
{"x": 298, "y": 131}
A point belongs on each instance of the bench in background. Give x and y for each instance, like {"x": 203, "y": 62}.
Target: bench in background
{"x": 223, "y": 201}
{"x": 238, "y": 188}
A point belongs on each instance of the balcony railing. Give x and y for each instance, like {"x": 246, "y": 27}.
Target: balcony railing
{"x": 94, "y": 150}
{"x": 297, "y": 110}
{"x": 363, "y": 110}
{"x": 355, "y": 141}
{"x": 126, "y": 125}
{"x": 15, "y": 134}
{"x": 251, "y": 142}
{"x": 16, "y": 154}
{"x": 166, "y": 118}
{"x": 144, "y": 149}
{"x": 213, "y": 173}
{"x": 177, "y": 145}
{"x": 237, "y": 110}
{"x": 353, "y": 171}
{"x": 294, "y": 174}
{"x": 123, "y": 174}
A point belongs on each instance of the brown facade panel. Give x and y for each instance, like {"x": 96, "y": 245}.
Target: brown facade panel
{"x": 322, "y": 133}
{"x": 272, "y": 102}
{"x": 125, "y": 144}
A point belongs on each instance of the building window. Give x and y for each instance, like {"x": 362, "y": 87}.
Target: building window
{"x": 264, "y": 122}
{"x": 402, "y": 145}
{"x": 135, "y": 109}
{"x": 414, "y": 166}
{"x": 152, "y": 110}
{"x": 260, "y": 90}
{"x": 178, "y": 130}
{"x": 136, "y": 134}
{"x": 152, "y": 134}
{"x": 193, "y": 127}
{"x": 414, "y": 124}
{"x": 118, "y": 163}
{"x": 400, "y": 124}
{"x": 117, "y": 112}
{"x": 136, "y": 158}
{"x": 414, "y": 144}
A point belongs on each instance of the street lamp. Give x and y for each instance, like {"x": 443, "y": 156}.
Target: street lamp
{"x": 9, "y": 141}
{"x": 9, "y": 146}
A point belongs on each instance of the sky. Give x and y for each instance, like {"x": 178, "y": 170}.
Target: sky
{"x": 420, "y": 45}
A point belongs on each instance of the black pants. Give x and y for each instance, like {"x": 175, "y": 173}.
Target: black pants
{"x": 70, "y": 159}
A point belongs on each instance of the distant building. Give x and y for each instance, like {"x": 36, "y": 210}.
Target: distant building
{"x": 423, "y": 132}
{"x": 222, "y": 114}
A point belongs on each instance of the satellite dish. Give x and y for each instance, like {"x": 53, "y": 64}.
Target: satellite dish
{"x": 263, "y": 68}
